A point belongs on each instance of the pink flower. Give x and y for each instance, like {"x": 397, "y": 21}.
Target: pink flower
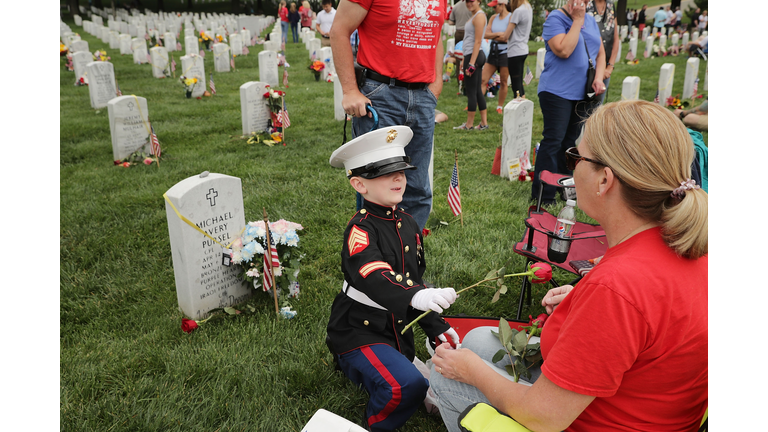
{"x": 148, "y": 161}
{"x": 126, "y": 164}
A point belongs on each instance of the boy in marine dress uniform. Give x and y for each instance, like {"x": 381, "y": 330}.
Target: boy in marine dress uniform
{"x": 382, "y": 260}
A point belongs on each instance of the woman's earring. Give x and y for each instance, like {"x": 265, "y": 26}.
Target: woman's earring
{"x": 598, "y": 193}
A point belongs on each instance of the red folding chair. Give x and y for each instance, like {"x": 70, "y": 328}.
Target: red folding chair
{"x": 588, "y": 240}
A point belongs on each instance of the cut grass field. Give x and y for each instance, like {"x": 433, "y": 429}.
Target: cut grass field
{"x": 125, "y": 364}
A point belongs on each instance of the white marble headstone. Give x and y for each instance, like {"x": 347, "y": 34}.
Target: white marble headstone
{"x": 695, "y": 36}
{"x": 125, "y": 44}
{"x": 691, "y": 73}
{"x": 160, "y": 62}
{"x": 646, "y": 32}
{"x": 635, "y": 32}
{"x": 221, "y": 57}
{"x": 140, "y": 53}
{"x": 253, "y": 107}
{"x": 648, "y": 46}
{"x": 101, "y": 83}
{"x": 193, "y": 66}
{"x": 169, "y": 41}
{"x": 675, "y": 39}
{"x": 314, "y": 48}
{"x": 190, "y": 45}
{"x": 686, "y": 39}
{"x": 128, "y": 124}
{"x": 623, "y": 32}
{"x": 272, "y": 45}
{"x": 338, "y": 95}
{"x": 78, "y": 20}
{"x": 213, "y": 202}
{"x": 516, "y": 137}
{"x": 633, "y": 47}
{"x": 114, "y": 40}
{"x": 268, "y": 68}
{"x": 236, "y": 44}
{"x": 662, "y": 41}
{"x": 245, "y": 34}
{"x": 666, "y": 80}
{"x": 326, "y": 55}
{"x": 540, "y": 54}
{"x": 189, "y": 32}
{"x": 306, "y": 41}
{"x": 80, "y": 60}
{"x": 630, "y": 88}
{"x": 79, "y": 45}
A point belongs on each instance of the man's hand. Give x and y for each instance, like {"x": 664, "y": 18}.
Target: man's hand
{"x": 435, "y": 299}
{"x": 354, "y": 103}
{"x": 436, "y": 88}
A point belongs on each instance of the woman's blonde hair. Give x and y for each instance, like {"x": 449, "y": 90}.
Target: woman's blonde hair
{"x": 305, "y": 3}
{"x": 651, "y": 152}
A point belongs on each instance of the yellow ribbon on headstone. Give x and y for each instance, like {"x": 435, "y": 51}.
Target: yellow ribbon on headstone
{"x": 190, "y": 223}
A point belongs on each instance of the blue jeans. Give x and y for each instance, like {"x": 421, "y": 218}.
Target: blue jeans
{"x": 453, "y": 396}
{"x": 562, "y": 126}
{"x": 284, "y": 28}
{"x": 415, "y": 109}
{"x": 295, "y": 32}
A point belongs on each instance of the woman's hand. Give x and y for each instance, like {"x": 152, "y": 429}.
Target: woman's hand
{"x": 455, "y": 364}
{"x": 555, "y": 296}
{"x": 598, "y": 86}
{"x": 578, "y": 9}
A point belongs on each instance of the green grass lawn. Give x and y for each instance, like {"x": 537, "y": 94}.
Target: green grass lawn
{"x": 125, "y": 364}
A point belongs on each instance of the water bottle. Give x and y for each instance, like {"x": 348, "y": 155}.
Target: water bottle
{"x": 560, "y": 242}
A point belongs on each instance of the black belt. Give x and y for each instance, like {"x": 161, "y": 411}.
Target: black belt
{"x": 391, "y": 81}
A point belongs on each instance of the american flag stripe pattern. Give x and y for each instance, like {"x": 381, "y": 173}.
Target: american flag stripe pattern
{"x": 656, "y": 99}
{"x": 454, "y": 196}
{"x": 528, "y": 75}
{"x": 695, "y": 88}
{"x": 212, "y": 85}
{"x": 119, "y": 93}
{"x": 275, "y": 264}
{"x": 155, "y": 143}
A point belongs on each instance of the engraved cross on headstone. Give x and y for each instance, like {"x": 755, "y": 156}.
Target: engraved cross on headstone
{"x": 211, "y": 196}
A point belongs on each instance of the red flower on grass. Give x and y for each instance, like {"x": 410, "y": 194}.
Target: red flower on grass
{"x": 542, "y": 272}
{"x": 187, "y": 325}
{"x": 425, "y": 232}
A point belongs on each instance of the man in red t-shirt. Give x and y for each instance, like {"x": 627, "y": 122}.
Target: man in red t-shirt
{"x": 402, "y": 52}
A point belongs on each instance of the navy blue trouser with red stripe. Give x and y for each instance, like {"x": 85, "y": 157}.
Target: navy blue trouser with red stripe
{"x": 396, "y": 388}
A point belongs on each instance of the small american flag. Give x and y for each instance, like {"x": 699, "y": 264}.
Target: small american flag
{"x": 232, "y": 61}
{"x": 246, "y": 51}
{"x": 630, "y": 55}
{"x": 454, "y": 196}
{"x": 178, "y": 46}
{"x": 285, "y": 77}
{"x": 119, "y": 93}
{"x": 212, "y": 85}
{"x": 202, "y": 53}
{"x": 253, "y": 40}
{"x": 695, "y": 88}
{"x": 267, "y": 270}
{"x": 528, "y": 75}
{"x": 173, "y": 64}
{"x": 282, "y": 117}
{"x": 155, "y": 143}
{"x": 656, "y": 99}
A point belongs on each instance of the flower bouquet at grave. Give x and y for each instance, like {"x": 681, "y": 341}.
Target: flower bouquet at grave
{"x": 248, "y": 253}
{"x": 205, "y": 40}
{"x": 275, "y": 103}
{"x": 676, "y": 103}
{"x": 82, "y": 81}
{"x": 137, "y": 158}
{"x": 220, "y": 39}
{"x": 101, "y": 55}
{"x": 659, "y": 51}
{"x": 63, "y": 50}
{"x": 316, "y": 67}
{"x": 189, "y": 84}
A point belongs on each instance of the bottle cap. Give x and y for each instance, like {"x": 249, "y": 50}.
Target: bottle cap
{"x": 571, "y": 203}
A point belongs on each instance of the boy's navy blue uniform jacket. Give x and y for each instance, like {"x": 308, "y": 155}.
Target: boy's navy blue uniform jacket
{"x": 383, "y": 258}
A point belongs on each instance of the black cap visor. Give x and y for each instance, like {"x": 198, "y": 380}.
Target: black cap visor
{"x": 383, "y": 167}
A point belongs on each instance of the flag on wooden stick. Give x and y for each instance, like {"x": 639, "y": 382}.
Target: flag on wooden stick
{"x": 285, "y": 77}
{"x": 118, "y": 92}
{"x": 212, "y": 85}
{"x": 270, "y": 263}
{"x": 528, "y": 75}
{"x": 454, "y": 196}
{"x": 232, "y": 61}
{"x": 155, "y": 144}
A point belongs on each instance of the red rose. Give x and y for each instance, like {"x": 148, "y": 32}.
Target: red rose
{"x": 425, "y": 232}
{"x": 540, "y": 319}
{"x": 542, "y": 272}
{"x": 117, "y": 162}
{"x": 522, "y": 175}
{"x": 187, "y": 325}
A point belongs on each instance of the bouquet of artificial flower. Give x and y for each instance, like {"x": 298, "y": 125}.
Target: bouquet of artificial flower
{"x": 252, "y": 243}
{"x": 274, "y": 99}
{"x": 316, "y": 67}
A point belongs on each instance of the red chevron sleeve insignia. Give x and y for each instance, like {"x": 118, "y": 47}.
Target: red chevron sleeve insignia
{"x": 357, "y": 241}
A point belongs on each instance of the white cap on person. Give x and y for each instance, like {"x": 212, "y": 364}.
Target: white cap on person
{"x": 375, "y": 153}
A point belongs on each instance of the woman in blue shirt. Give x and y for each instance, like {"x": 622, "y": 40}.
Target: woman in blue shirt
{"x": 562, "y": 94}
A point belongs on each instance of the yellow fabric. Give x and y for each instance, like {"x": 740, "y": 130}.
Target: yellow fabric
{"x": 485, "y": 418}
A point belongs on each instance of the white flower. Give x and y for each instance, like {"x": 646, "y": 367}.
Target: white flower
{"x": 252, "y": 273}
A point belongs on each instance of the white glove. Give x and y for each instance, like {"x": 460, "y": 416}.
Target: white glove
{"x": 434, "y": 298}
{"x": 452, "y": 334}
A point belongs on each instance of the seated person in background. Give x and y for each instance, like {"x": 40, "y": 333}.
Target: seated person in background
{"x": 615, "y": 356}
{"x": 382, "y": 259}
{"x": 696, "y": 118}
{"x": 702, "y": 42}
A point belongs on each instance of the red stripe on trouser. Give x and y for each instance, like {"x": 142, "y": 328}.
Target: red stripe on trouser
{"x": 396, "y": 390}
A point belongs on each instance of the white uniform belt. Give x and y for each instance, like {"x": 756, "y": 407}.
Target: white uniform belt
{"x": 360, "y": 297}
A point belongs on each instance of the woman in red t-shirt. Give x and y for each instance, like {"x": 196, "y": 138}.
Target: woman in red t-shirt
{"x": 626, "y": 348}
{"x": 284, "y": 22}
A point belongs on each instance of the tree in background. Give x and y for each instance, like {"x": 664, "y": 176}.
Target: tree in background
{"x": 537, "y": 24}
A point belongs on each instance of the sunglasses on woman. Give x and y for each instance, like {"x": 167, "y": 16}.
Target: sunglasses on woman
{"x": 572, "y": 158}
